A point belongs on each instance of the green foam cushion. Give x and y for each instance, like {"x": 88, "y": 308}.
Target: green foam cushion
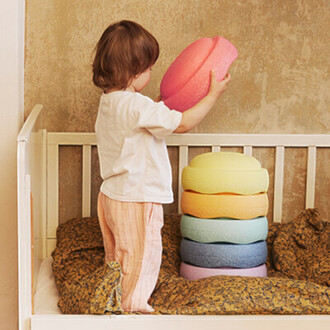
{"x": 224, "y": 230}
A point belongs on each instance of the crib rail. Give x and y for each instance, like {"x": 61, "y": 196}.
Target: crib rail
{"x": 31, "y": 215}
{"x": 183, "y": 141}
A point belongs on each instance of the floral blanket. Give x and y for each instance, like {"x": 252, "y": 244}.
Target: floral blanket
{"x": 298, "y": 268}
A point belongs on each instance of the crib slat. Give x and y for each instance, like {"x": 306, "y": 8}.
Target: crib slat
{"x": 43, "y": 227}
{"x": 310, "y": 177}
{"x": 51, "y": 245}
{"x": 183, "y": 161}
{"x": 216, "y": 148}
{"x": 278, "y": 184}
{"x": 52, "y": 190}
{"x": 86, "y": 181}
{"x": 248, "y": 150}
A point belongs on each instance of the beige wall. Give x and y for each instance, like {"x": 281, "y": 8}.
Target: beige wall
{"x": 280, "y": 81}
{"x": 11, "y": 114}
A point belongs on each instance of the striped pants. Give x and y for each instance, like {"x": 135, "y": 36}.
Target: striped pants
{"x": 132, "y": 236}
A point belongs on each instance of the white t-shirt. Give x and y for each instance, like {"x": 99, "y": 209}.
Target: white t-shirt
{"x": 130, "y": 130}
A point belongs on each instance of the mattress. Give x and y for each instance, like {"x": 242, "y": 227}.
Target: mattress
{"x": 46, "y": 295}
{"x": 297, "y": 264}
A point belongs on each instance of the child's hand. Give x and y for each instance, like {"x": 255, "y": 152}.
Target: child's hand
{"x": 218, "y": 87}
{"x": 193, "y": 116}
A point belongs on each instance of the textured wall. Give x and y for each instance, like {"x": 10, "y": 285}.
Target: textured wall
{"x": 280, "y": 81}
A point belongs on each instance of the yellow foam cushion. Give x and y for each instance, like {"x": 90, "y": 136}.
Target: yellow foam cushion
{"x": 224, "y": 205}
{"x": 225, "y": 172}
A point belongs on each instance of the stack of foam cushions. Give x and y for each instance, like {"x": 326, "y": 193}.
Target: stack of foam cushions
{"x": 224, "y": 225}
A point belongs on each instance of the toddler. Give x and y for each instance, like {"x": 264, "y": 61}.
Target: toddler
{"x": 134, "y": 163}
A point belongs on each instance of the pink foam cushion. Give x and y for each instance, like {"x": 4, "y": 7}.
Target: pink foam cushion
{"x": 192, "y": 273}
{"x": 187, "y": 80}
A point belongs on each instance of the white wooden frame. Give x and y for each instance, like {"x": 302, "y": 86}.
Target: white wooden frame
{"x": 38, "y": 177}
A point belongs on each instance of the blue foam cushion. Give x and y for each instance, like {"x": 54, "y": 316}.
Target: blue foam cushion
{"x": 224, "y": 230}
{"x": 212, "y": 255}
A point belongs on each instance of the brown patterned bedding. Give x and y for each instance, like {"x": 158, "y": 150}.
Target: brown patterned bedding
{"x": 298, "y": 267}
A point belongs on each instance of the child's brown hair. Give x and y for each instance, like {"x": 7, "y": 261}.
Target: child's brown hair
{"x": 124, "y": 50}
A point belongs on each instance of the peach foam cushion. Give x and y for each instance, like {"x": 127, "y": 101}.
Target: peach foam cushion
{"x": 224, "y": 205}
{"x": 224, "y": 230}
{"x": 225, "y": 172}
{"x": 187, "y": 79}
{"x": 191, "y": 273}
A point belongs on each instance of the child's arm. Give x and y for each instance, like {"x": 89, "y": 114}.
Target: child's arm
{"x": 193, "y": 116}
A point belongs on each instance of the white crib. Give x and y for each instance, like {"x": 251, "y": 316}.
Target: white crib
{"x": 38, "y": 213}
